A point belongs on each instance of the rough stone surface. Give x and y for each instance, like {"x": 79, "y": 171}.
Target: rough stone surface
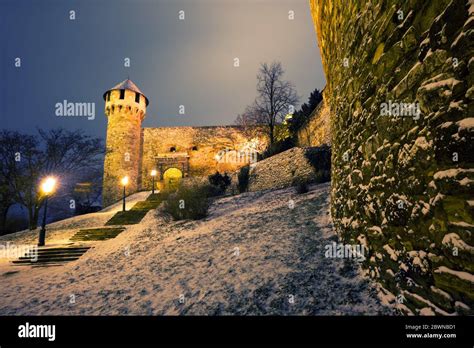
{"x": 316, "y": 131}
{"x": 122, "y": 156}
{"x": 201, "y": 144}
{"x": 282, "y": 170}
{"x": 403, "y": 185}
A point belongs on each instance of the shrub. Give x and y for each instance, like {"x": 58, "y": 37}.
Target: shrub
{"x": 189, "y": 202}
{"x": 301, "y": 188}
{"x": 243, "y": 177}
{"x": 301, "y": 185}
{"x": 219, "y": 182}
{"x": 320, "y": 159}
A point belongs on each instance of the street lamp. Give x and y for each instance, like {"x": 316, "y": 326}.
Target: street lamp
{"x": 47, "y": 187}
{"x": 124, "y": 182}
{"x": 153, "y": 174}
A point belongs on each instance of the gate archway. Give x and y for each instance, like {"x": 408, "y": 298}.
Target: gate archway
{"x": 172, "y": 176}
{"x": 176, "y": 160}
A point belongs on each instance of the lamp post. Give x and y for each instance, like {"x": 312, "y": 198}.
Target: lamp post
{"x": 153, "y": 174}
{"x": 124, "y": 182}
{"x": 47, "y": 187}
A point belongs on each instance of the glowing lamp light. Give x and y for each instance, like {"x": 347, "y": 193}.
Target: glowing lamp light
{"x": 124, "y": 181}
{"x": 48, "y": 185}
{"x": 153, "y": 172}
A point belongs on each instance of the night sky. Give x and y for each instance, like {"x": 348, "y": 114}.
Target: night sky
{"x": 173, "y": 62}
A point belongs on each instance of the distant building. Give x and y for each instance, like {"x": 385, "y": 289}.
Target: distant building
{"x": 173, "y": 152}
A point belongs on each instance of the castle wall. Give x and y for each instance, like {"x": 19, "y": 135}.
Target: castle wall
{"x": 309, "y": 165}
{"x": 316, "y": 131}
{"x": 202, "y": 144}
{"x": 402, "y": 186}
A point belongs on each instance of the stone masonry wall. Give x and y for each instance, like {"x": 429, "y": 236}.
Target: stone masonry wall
{"x": 202, "y": 144}
{"x": 122, "y": 156}
{"x": 316, "y": 131}
{"x": 403, "y": 186}
{"x": 281, "y": 170}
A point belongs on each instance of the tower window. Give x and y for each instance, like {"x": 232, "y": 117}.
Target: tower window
{"x": 172, "y": 149}
{"x": 137, "y": 97}
{"x": 122, "y": 94}
{"x": 108, "y": 95}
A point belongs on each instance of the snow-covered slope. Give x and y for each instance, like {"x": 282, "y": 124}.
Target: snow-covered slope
{"x": 59, "y": 232}
{"x": 253, "y": 254}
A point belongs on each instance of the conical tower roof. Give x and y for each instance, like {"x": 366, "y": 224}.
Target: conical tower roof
{"x": 126, "y": 84}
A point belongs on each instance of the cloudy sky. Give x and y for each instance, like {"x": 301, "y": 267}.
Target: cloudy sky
{"x": 174, "y": 62}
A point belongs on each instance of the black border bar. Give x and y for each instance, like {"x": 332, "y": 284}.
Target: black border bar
{"x": 135, "y": 331}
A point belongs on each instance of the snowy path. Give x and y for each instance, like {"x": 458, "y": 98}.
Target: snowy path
{"x": 253, "y": 255}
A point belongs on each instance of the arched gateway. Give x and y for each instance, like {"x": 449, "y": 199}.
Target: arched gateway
{"x": 173, "y": 160}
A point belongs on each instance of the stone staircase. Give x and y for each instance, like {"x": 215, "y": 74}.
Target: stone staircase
{"x": 52, "y": 255}
{"x": 95, "y": 234}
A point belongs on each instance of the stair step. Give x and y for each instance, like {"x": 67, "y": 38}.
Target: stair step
{"x": 94, "y": 234}
{"x": 52, "y": 255}
{"x": 57, "y": 252}
{"x": 66, "y": 249}
{"x": 61, "y": 250}
{"x": 97, "y": 234}
{"x": 29, "y": 256}
{"x": 52, "y": 259}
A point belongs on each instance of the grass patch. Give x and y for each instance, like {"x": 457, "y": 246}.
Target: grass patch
{"x": 146, "y": 205}
{"x": 137, "y": 212}
{"x": 129, "y": 217}
{"x": 97, "y": 234}
{"x": 155, "y": 197}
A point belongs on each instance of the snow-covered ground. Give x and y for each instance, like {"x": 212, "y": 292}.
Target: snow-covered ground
{"x": 255, "y": 254}
{"x": 59, "y": 232}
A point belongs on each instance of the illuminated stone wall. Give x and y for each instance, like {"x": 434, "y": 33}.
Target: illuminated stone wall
{"x": 123, "y": 155}
{"x": 308, "y": 165}
{"x": 316, "y": 131}
{"x": 202, "y": 144}
{"x": 402, "y": 185}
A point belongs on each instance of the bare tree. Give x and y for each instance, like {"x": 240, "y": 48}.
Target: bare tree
{"x": 275, "y": 96}
{"x": 18, "y": 154}
{"x": 25, "y": 159}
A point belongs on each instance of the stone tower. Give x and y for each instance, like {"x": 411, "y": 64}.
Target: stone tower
{"x": 125, "y": 108}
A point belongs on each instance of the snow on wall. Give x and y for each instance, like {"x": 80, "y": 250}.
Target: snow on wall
{"x": 309, "y": 164}
{"x": 316, "y": 131}
{"x": 406, "y": 174}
